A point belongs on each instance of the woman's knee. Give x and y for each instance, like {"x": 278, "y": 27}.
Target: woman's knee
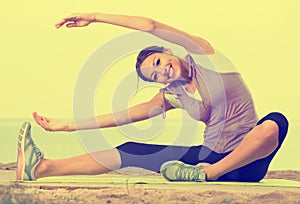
{"x": 280, "y": 122}
{"x": 265, "y": 137}
{"x": 269, "y": 130}
{"x": 128, "y": 147}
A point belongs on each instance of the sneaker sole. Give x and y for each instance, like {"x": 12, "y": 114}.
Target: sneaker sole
{"x": 21, "y": 143}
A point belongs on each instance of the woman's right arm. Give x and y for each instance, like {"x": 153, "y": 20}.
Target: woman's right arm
{"x": 191, "y": 43}
{"x": 133, "y": 114}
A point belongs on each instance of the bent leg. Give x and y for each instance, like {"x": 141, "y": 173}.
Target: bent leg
{"x": 89, "y": 164}
{"x": 151, "y": 157}
{"x": 254, "y": 153}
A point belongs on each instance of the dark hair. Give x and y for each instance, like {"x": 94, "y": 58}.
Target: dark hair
{"x": 143, "y": 55}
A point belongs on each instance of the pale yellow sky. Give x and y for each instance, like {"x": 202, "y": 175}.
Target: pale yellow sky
{"x": 40, "y": 64}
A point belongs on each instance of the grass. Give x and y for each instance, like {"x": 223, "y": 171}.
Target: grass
{"x": 18, "y": 195}
{"x": 225, "y": 201}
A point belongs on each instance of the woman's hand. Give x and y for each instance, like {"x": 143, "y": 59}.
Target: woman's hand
{"x": 76, "y": 20}
{"x": 51, "y": 124}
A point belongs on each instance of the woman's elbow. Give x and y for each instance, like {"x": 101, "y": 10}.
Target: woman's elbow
{"x": 148, "y": 24}
{"x": 120, "y": 119}
{"x": 153, "y": 25}
{"x": 209, "y": 50}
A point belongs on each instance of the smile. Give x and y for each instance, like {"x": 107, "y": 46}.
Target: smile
{"x": 171, "y": 72}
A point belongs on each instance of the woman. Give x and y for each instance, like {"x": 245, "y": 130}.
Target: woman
{"x": 236, "y": 146}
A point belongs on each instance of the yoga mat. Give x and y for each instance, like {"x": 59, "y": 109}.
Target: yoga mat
{"x": 113, "y": 179}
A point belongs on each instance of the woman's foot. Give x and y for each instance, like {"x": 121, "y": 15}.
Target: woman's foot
{"x": 179, "y": 171}
{"x": 29, "y": 155}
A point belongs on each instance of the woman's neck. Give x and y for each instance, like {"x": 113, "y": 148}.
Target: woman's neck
{"x": 190, "y": 87}
{"x": 184, "y": 65}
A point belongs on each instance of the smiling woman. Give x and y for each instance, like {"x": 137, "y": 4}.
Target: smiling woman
{"x": 237, "y": 147}
{"x": 158, "y": 64}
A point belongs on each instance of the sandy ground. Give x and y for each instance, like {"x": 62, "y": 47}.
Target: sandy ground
{"x": 93, "y": 192}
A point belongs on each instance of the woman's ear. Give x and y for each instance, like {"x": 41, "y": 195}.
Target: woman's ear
{"x": 168, "y": 51}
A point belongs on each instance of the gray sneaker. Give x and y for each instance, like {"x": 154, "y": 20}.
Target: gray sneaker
{"x": 179, "y": 171}
{"x": 29, "y": 155}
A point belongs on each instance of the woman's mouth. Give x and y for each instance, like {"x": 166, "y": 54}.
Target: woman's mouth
{"x": 171, "y": 72}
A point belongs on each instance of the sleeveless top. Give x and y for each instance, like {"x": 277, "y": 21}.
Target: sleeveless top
{"x": 226, "y": 107}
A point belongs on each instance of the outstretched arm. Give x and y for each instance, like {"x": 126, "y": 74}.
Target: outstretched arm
{"x": 133, "y": 114}
{"x": 190, "y": 42}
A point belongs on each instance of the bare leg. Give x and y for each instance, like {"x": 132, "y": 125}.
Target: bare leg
{"x": 260, "y": 142}
{"x": 88, "y": 164}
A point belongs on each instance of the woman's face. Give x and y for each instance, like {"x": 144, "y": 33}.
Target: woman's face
{"x": 161, "y": 67}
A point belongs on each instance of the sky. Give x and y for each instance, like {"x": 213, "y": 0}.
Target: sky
{"x": 40, "y": 64}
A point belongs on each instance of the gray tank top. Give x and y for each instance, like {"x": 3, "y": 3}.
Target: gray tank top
{"x": 226, "y": 107}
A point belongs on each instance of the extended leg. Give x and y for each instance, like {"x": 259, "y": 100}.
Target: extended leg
{"x": 31, "y": 163}
{"x": 88, "y": 164}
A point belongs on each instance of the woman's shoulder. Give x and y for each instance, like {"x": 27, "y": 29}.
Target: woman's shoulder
{"x": 175, "y": 87}
{"x": 216, "y": 61}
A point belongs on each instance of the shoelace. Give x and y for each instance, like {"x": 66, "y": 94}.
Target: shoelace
{"x": 187, "y": 173}
{"x": 37, "y": 151}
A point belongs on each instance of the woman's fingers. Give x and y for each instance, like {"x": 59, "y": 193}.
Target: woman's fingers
{"x": 47, "y": 120}
{"x": 60, "y": 23}
{"x": 75, "y": 20}
{"x": 72, "y": 18}
{"x": 41, "y": 120}
{"x": 36, "y": 117}
{"x": 44, "y": 124}
{"x": 44, "y": 119}
{"x": 68, "y": 25}
{"x": 71, "y": 25}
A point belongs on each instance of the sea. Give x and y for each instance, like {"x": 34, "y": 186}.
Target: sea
{"x": 57, "y": 145}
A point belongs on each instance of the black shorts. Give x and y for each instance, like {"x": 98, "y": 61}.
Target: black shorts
{"x": 151, "y": 157}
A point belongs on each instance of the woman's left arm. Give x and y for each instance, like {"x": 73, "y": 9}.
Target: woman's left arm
{"x": 190, "y": 42}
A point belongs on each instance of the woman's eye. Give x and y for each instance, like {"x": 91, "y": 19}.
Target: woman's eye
{"x": 158, "y": 62}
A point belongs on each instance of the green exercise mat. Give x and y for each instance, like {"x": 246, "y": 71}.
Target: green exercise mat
{"x": 120, "y": 179}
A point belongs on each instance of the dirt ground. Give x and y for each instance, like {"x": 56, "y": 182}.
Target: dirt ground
{"x": 72, "y": 192}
